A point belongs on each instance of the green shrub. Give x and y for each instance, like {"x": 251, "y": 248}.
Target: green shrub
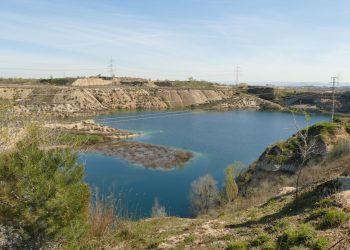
{"x": 280, "y": 225}
{"x": 231, "y": 188}
{"x": 42, "y": 193}
{"x": 260, "y": 240}
{"x": 79, "y": 139}
{"x": 238, "y": 245}
{"x": 333, "y": 218}
{"x": 303, "y": 235}
{"x": 189, "y": 239}
{"x": 269, "y": 245}
{"x": 321, "y": 243}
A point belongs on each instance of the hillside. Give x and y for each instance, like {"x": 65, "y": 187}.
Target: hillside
{"x": 280, "y": 162}
{"x": 75, "y": 100}
{"x": 319, "y": 220}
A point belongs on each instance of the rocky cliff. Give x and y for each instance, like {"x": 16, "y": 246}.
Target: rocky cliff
{"x": 280, "y": 161}
{"x": 71, "y": 100}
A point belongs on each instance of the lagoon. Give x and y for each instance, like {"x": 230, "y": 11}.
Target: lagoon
{"x": 216, "y": 138}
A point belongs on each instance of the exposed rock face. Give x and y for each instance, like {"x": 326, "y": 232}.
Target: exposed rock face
{"x": 70, "y": 100}
{"x": 284, "y": 158}
{"x": 267, "y": 93}
{"x": 319, "y": 101}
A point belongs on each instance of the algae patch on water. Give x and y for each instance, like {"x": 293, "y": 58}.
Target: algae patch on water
{"x": 147, "y": 155}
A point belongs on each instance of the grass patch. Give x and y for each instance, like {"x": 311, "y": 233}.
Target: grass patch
{"x": 189, "y": 239}
{"x": 304, "y": 235}
{"x": 260, "y": 240}
{"x": 80, "y": 139}
{"x": 238, "y": 245}
{"x": 332, "y": 218}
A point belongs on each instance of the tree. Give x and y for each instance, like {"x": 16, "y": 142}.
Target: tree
{"x": 157, "y": 209}
{"x": 306, "y": 149}
{"x": 204, "y": 194}
{"x": 42, "y": 192}
{"x": 231, "y": 188}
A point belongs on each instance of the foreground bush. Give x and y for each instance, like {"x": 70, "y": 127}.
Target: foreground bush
{"x": 42, "y": 194}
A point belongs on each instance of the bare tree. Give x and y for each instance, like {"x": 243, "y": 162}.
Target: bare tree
{"x": 157, "y": 209}
{"x": 306, "y": 148}
{"x": 204, "y": 194}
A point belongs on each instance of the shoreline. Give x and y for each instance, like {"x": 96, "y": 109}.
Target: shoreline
{"x": 94, "y": 137}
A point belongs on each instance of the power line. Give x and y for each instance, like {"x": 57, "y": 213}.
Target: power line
{"x": 237, "y": 72}
{"x": 335, "y": 80}
{"x": 153, "y": 117}
{"x": 111, "y": 68}
{"x": 120, "y": 118}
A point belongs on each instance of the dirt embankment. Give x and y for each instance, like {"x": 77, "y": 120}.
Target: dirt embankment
{"x": 74, "y": 100}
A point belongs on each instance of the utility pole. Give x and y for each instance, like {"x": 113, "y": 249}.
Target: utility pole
{"x": 237, "y": 74}
{"x": 334, "y": 82}
{"x": 111, "y": 68}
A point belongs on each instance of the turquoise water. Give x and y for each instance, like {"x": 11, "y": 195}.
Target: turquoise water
{"x": 217, "y": 138}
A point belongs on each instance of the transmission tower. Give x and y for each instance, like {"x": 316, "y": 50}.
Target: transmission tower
{"x": 111, "y": 68}
{"x": 335, "y": 80}
{"x": 237, "y": 72}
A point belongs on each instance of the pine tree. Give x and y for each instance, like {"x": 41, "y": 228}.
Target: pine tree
{"x": 42, "y": 192}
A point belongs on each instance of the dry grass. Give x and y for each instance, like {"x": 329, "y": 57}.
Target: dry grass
{"x": 103, "y": 215}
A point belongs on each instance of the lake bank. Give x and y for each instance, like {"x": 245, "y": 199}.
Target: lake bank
{"x": 218, "y": 138}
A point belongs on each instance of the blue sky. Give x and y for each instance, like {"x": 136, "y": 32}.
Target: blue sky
{"x": 271, "y": 40}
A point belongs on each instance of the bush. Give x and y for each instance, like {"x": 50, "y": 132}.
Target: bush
{"x": 204, "y": 194}
{"x": 158, "y": 210}
{"x": 231, "y": 188}
{"x": 332, "y": 218}
{"x": 321, "y": 243}
{"x": 238, "y": 245}
{"x": 304, "y": 234}
{"x": 42, "y": 193}
{"x": 260, "y": 240}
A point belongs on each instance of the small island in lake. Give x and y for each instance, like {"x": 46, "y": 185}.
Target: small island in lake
{"x": 147, "y": 155}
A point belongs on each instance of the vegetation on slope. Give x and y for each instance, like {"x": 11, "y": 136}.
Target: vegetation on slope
{"x": 280, "y": 162}
{"x": 45, "y": 204}
{"x": 42, "y": 193}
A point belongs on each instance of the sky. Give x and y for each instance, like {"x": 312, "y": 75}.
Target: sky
{"x": 271, "y": 40}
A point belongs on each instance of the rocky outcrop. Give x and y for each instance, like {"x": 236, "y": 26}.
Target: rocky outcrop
{"x": 284, "y": 159}
{"x": 75, "y": 100}
{"x": 286, "y": 156}
{"x": 90, "y": 127}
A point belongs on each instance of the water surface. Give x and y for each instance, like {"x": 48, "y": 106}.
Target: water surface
{"x": 217, "y": 138}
